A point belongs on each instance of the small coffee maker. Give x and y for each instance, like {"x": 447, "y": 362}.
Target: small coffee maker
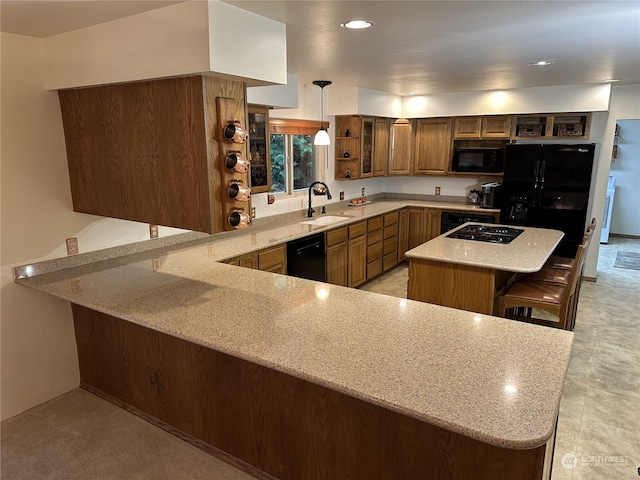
{"x": 491, "y": 195}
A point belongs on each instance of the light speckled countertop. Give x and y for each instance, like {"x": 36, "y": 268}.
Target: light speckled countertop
{"x": 492, "y": 379}
{"x": 524, "y": 254}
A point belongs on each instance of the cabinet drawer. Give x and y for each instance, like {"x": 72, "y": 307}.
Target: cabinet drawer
{"x": 374, "y": 237}
{"x": 374, "y": 268}
{"x": 391, "y": 231}
{"x": 390, "y": 245}
{"x": 390, "y": 260}
{"x": 272, "y": 257}
{"x": 357, "y": 229}
{"x": 334, "y": 237}
{"x": 390, "y": 218}
{"x": 374, "y": 224}
{"x": 374, "y": 252}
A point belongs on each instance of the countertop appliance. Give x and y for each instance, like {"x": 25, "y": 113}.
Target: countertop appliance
{"x": 548, "y": 186}
{"x": 451, "y": 220}
{"x": 306, "y": 258}
{"x": 487, "y": 233}
{"x": 608, "y": 209}
{"x": 491, "y": 195}
{"x": 477, "y": 160}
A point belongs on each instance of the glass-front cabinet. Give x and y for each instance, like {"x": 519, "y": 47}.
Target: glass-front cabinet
{"x": 367, "y": 148}
{"x": 259, "y": 149}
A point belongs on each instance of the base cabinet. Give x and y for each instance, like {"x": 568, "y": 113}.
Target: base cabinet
{"x": 337, "y": 256}
{"x": 357, "y": 272}
{"x": 273, "y": 425}
{"x": 272, "y": 260}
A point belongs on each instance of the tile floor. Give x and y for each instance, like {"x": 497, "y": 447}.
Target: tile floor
{"x": 79, "y": 436}
{"x": 599, "y": 424}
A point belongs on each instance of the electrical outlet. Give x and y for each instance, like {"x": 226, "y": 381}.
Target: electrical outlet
{"x": 341, "y": 195}
{"x": 363, "y": 191}
{"x": 153, "y": 231}
{"x": 253, "y": 212}
{"x": 72, "y": 246}
{"x": 437, "y": 190}
{"x": 152, "y": 379}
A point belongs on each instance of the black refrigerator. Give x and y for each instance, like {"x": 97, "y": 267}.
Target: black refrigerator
{"x": 548, "y": 186}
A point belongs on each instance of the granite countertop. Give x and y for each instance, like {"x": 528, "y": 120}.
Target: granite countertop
{"x": 526, "y": 253}
{"x": 492, "y": 379}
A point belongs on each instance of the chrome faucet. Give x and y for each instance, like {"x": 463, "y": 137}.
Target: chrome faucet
{"x": 317, "y": 191}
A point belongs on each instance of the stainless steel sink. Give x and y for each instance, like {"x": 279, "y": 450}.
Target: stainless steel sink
{"x": 326, "y": 220}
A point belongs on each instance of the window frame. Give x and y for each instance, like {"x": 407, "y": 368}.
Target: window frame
{"x": 289, "y": 127}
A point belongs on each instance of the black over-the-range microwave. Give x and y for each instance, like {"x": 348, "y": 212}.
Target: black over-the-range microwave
{"x": 478, "y": 159}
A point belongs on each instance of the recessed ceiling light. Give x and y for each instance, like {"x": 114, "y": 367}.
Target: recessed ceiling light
{"x": 357, "y": 24}
{"x": 540, "y": 63}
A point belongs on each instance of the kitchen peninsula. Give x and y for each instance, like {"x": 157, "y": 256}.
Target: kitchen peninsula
{"x": 470, "y": 274}
{"x": 294, "y": 379}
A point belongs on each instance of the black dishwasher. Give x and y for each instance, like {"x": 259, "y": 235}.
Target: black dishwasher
{"x": 306, "y": 258}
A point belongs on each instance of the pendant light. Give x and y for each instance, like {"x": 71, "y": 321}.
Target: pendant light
{"x": 322, "y": 136}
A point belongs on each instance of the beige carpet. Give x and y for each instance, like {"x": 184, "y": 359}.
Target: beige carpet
{"x": 80, "y": 436}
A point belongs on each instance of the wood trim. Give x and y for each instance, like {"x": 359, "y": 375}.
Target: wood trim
{"x": 295, "y": 127}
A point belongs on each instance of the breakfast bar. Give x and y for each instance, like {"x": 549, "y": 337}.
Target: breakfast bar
{"x": 294, "y": 379}
{"x": 471, "y": 271}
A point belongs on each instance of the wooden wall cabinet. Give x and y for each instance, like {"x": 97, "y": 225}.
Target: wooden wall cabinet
{"x": 401, "y": 148}
{"x": 259, "y": 156}
{"x": 380, "y": 146}
{"x": 338, "y": 256}
{"x": 433, "y": 146}
{"x": 149, "y": 151}
{"x": 482, "y": 127}
{"x": 555, "y": 126}
{"x": 348, "y": 142}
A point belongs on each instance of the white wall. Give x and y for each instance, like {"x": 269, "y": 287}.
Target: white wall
{"x": 38, "y": 351}
{"x": 625, "y": 219}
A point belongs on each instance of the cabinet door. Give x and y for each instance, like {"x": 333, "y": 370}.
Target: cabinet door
{"x": 337, "y": 262}
{"x": 380, "y": 147}
{"x": 467, "y": 127}
{"x": 260, "y": 169}
{"x": 403, "y": 233}
{"x": 366, "y": 149}
{"x": 496, "y": 126}
{"x": 432, "y": 220}
{"x": 401, "y": 157}
{"x": 432, "y": 146}
{"x": 415, "y": 227}
{"x": 273, "y": 260}
{"x": 357, "y": 261}
{"x": 250, "y": 260}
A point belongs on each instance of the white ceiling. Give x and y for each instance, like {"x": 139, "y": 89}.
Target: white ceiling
{"x": 416, "y": 46}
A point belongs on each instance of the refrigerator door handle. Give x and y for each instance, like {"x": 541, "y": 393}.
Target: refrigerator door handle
{"x": 536, "y": 177}
{"x": 542, "y": 169}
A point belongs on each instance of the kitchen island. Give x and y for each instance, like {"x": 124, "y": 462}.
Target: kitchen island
{"x": 469, "y": 274}
{"x": 294, "y": 379}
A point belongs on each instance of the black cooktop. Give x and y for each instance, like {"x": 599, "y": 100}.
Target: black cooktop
{"x": 487, "y": 233}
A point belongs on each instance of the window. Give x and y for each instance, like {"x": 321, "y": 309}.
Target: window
{"x": 292, "y": 155}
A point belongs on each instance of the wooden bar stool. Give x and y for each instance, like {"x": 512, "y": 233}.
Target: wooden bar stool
{"x": 564, "y": 263}
{"x": 557, "y": 299}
